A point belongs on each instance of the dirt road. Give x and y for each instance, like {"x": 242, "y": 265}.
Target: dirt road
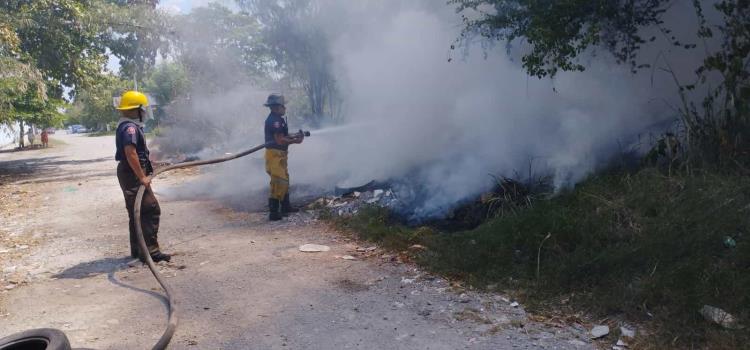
{"x": 241, "y": 282}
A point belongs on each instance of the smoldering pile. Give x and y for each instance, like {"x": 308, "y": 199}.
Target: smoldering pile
{"x": 505, "y": 197}
{"x": 346, "y": 202}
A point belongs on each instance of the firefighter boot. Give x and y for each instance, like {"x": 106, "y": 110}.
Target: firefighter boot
{"x": 286, "y": 207}
{"x": 273, "y": 210}
{"x": 157, "y": 257}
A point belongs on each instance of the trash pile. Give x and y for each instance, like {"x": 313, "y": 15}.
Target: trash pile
{"x": 349, "y": 201}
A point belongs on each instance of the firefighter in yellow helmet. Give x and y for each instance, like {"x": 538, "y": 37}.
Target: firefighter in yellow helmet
{"x": 278, "y": 140}
{"x": 133, "y": 170}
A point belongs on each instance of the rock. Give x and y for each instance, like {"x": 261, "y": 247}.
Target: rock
{"x": 627, "y": 332}
{"x": 314, "y": 248}
{"x": 719, "y": 317}
{"x": 10, "y": 286}
{"x": 405, "y": 280}
{"x": 621, "y": 343}
{"x": 514, "y": 304}
{"x": 370, "y": 249}
{"x": 599, "y": 331}
{"x": 348, "y": 257}
{"x": 417, "y": 247}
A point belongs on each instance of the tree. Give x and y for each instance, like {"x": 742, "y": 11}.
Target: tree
{"x": 220, "y": 48}
{"x": 166, "y": 83}
{"x": 139, "y": 32}
{"x": 558, "y": 32}
{"x": 46, "y": 45}
{"x": 93, "y": 106}
{"x": 299, "y": 48}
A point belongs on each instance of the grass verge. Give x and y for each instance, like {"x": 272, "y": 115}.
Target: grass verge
{"x": 651, "y": 248}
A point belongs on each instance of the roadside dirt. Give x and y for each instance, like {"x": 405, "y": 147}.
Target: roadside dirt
{"x": 241, "y": 282}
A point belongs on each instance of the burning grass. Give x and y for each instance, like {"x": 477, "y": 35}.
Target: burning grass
{"x": 645, "y": 246}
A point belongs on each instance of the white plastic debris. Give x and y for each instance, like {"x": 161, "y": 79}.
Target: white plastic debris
{"x": 627, "y": 332}
{"x": 621, "y": 343}
{"x": 599, "y": 331}
{"x": 314, "y": 248}
{"x": 348, "y": 257}
{"x": 719, "y": 317}
{"x": 377, "y": 193}
{"x": 514, "y": 304}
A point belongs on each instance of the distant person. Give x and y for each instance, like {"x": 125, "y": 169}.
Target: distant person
{"x": 45, "y": 138}
{"x": 277, "y": 134}
{"x": 133, "y": 170}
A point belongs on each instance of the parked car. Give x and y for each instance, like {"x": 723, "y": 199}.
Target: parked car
{"x": 77, "y": 129}
{"x": 50, "y": 131}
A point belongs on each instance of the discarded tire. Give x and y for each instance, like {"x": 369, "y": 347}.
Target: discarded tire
{"x": 36, "y": 339}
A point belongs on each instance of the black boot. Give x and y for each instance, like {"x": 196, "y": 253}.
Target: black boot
{"x": 157, "y": 257}
{"x": 286, "y": 207}
{"x": 273, "y": 210}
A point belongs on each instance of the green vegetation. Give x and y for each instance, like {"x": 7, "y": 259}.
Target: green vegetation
{"x": 645, "y": 245}
{"x": 560, "y": 35}
{"x": 48, "y": 46}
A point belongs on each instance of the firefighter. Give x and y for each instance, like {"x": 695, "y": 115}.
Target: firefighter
{"x": 278, "y": 140}
{"x": 133, "y": 170}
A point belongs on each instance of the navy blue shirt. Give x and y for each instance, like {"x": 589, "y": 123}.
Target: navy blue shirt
{"x": 129, "y": 133}
{"x": 274, "y": 125}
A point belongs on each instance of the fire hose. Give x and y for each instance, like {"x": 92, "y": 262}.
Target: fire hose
{"x": 52, "y": 339}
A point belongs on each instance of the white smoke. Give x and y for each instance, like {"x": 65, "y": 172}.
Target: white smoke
{"x": 448, "y": 125}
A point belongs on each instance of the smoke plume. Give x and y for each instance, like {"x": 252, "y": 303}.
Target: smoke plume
{"x": 446, "y": 126}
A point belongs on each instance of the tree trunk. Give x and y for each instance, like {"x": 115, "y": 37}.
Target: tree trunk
{"x": 20, "y": 139}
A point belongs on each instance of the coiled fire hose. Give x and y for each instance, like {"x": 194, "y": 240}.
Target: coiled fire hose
{"x": 172, "y": 320}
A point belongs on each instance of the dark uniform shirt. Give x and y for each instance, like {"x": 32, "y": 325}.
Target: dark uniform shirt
{"x": 129, "y": 133}
{"x": 276, "y": 124}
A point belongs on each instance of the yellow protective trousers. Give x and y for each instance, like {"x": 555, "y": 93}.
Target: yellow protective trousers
{"x": 276, "y": 167}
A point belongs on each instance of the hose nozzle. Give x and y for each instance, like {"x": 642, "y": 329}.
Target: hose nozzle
{"x": 303, "y": 133}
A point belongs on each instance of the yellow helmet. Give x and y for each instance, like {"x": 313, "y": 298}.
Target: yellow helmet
{"x": 132, "y": 100}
